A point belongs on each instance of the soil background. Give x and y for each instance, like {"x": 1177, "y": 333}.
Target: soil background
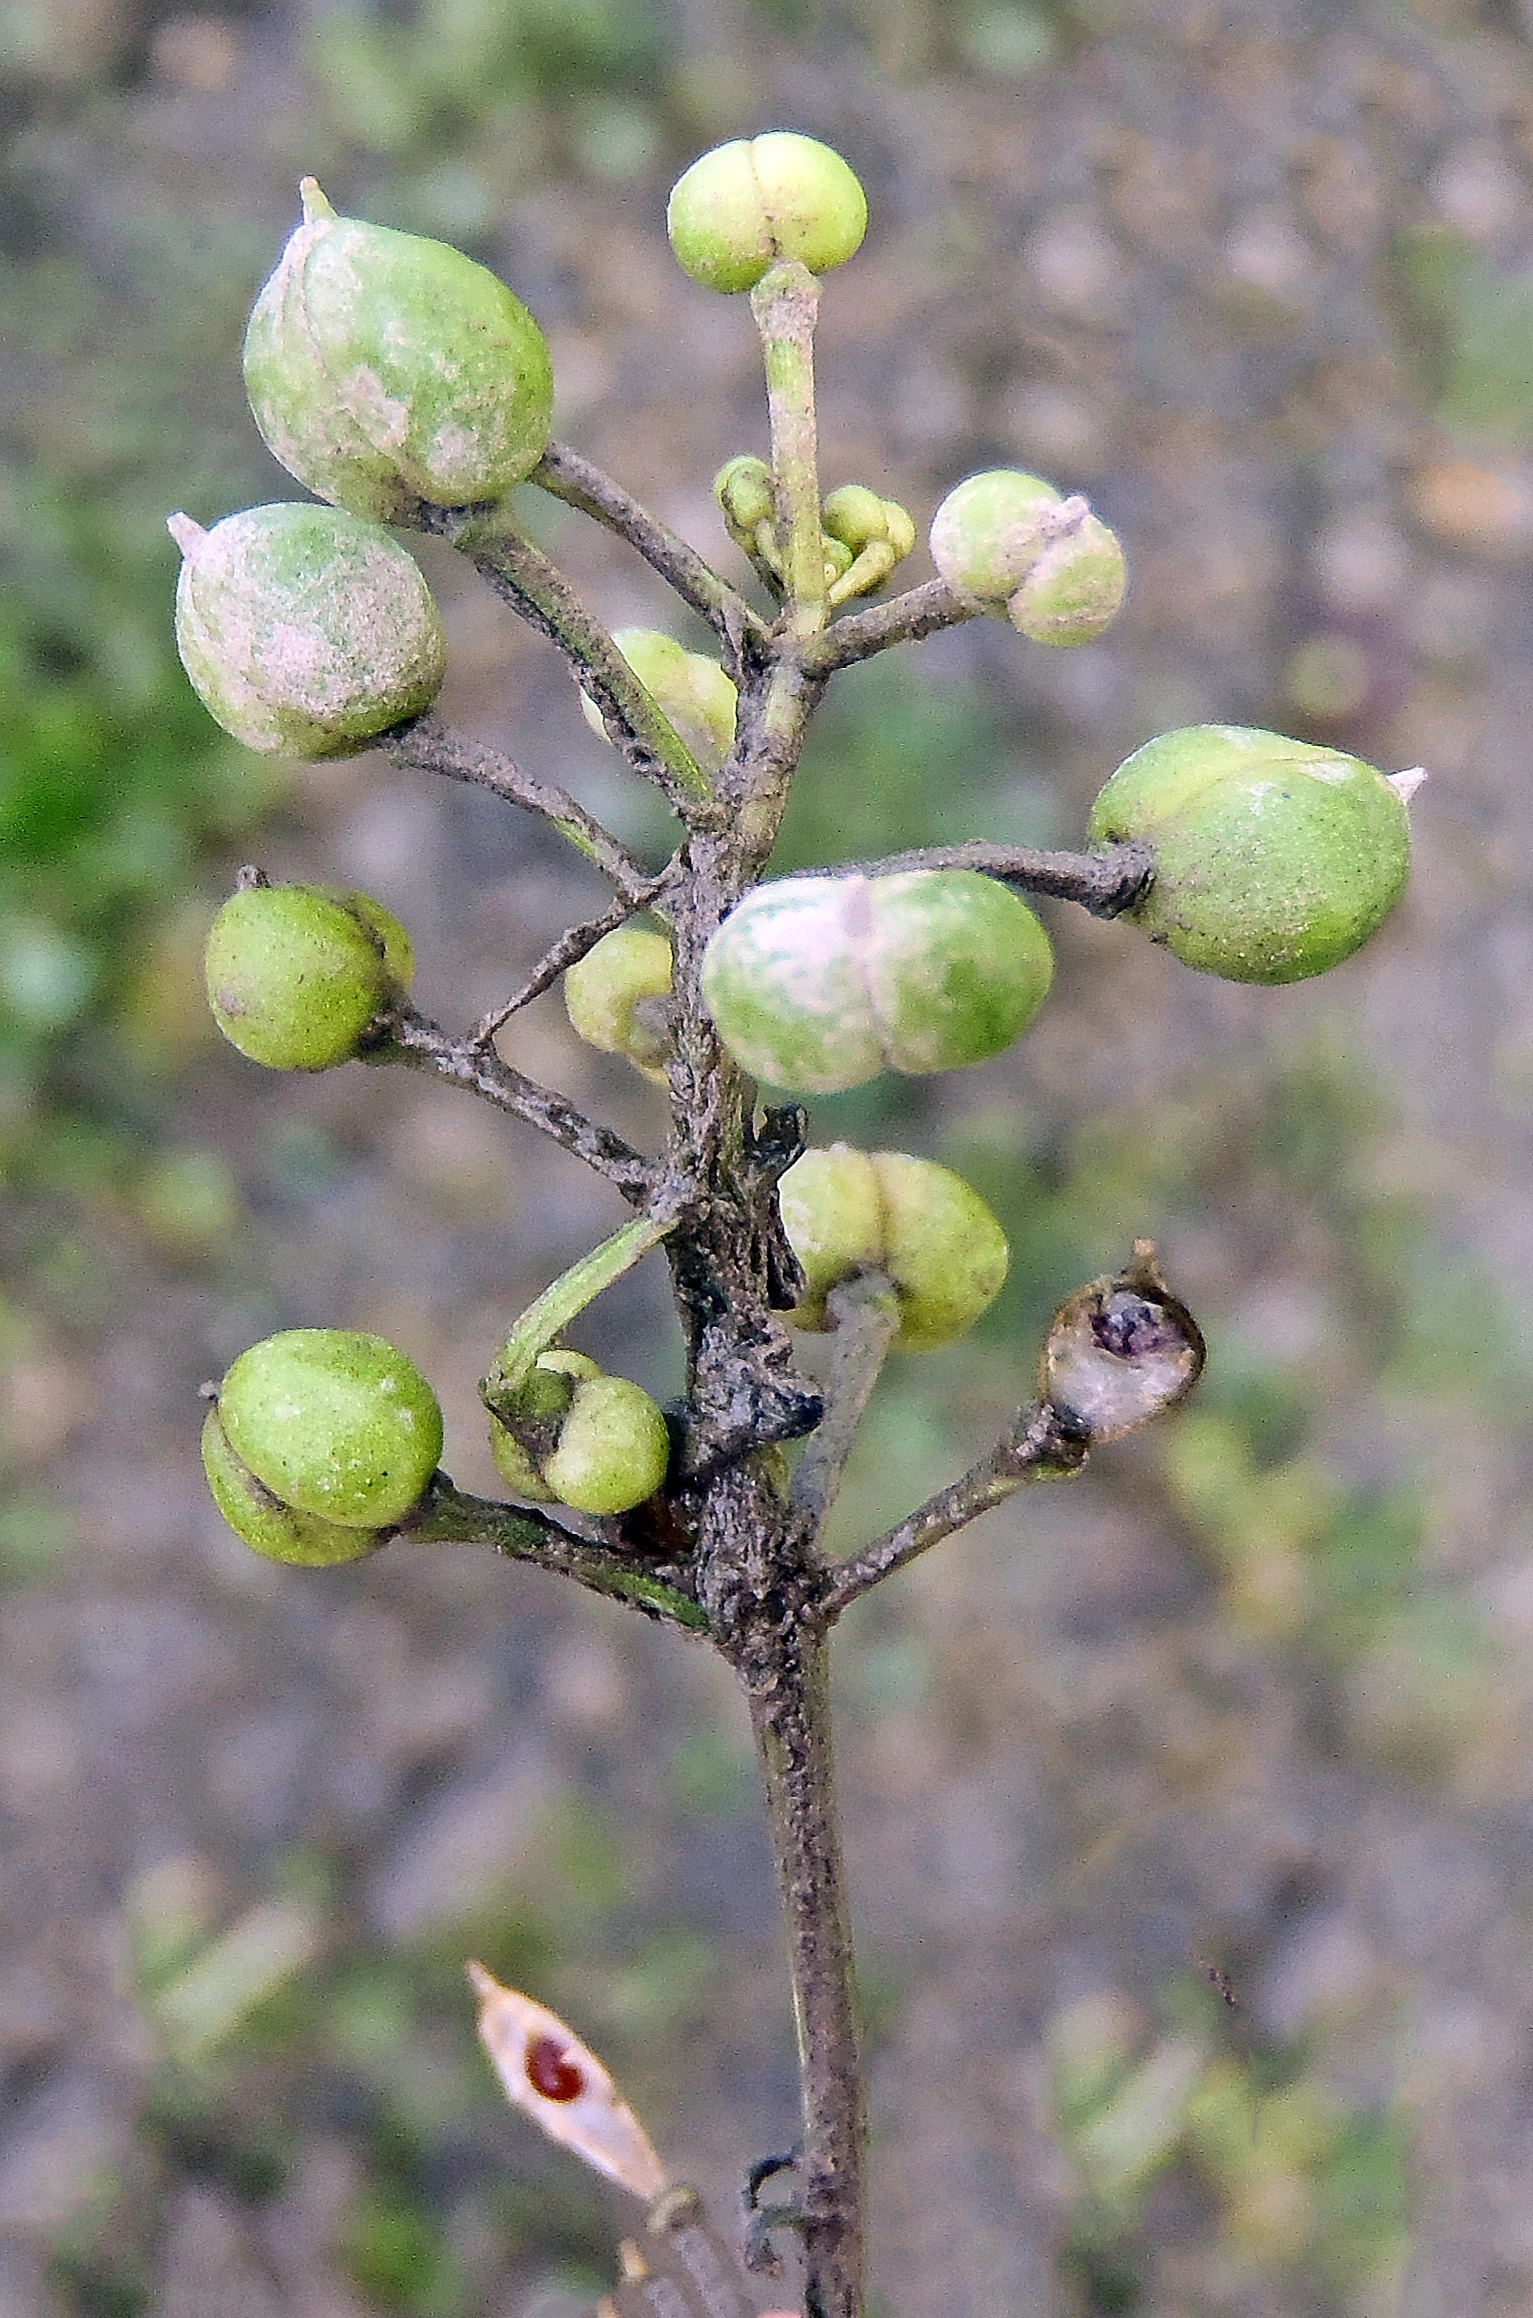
{"x": 1252, "y": 1699}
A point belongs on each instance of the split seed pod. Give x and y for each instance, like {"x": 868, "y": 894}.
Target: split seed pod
{"x": 1120, "y": 1351}
{"x": 577, "y": 1437}
{"x": 817, "y": 984}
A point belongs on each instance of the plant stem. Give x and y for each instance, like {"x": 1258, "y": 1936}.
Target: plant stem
{"x": 451, "y": 1517}
{"x": 564, "y": 1301}
{"x": 905, "y": 619}
{"x": 790, "y": 1715}
{"x": 1106, "y": 882}
{"x": 785, "y": 303}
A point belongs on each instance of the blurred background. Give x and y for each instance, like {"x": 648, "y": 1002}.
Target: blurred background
{"x": 1255, "y": 1696}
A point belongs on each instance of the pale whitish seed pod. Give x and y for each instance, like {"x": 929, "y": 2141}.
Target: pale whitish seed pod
{"x": 305, "y": 630}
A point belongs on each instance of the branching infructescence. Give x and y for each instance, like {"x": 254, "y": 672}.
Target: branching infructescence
{"x": 405, "y": 385}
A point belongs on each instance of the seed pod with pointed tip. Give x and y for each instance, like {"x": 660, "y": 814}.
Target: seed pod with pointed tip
{"x": 335, "y": 1423}
{"x": 579, "y": 1438}
{"x": 745, "y": 205}
{"x": 385, "y": 370}
{"x": 698, "y": 698}
{"x": 264, "y": 1523}
{"x": 847, "y": 1211}
{"x": 817, "y": 984}
{"x": 295, "y": 973}
{"x": 1274, "y": 859}
{"x": 616, "y": 995}
{"x": 305, "y": 630}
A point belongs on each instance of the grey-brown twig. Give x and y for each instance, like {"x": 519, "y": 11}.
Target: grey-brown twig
{"x": 408, "y": 1037}
{"x": 433, "y": 747}
{"x": 1038, "y": 1447}
{"x": 904, "y": 619}
{"x": 573, "y": 945}
{"x": 449, "y": 1516}
{"x": 580, "y": 483}
{"x": 1106, "y": 882}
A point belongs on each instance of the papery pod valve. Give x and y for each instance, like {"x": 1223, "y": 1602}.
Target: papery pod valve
{"x": 617, "y": 998}
{"x": 998, "y": 541}
{"x": 594, "y": 1442}
{"x": 1274, "y": 859}
{"x": 818, "y": 984}
{"x": 1119, "y": 1352}
{"x": 305, "y": 630}
{"x": 335, "y": 1423}
{"x": 385, "y": 370}
{"x": 848, "y": 1212}
{"x": 296, "y": 973}
{"x": 696, "y": 695}
{"x": 746, "y": 205}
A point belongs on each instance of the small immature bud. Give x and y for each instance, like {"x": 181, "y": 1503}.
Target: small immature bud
{"x": 579, "y": 1438}
{"x": 335, "y": 1423}
{"x": 295, "y": 973}
{"x": 384, "y": 370}
{"x": 1120, "y": 1351}
{"x": 748, "y": 204}
{"x": 305, "y": 630}
{"x": 743, "y": 489}
{"x": 849, "y": 1211}
{"x": 1274, "y": 859}
{"x": 817, "y": 984}
{"x": 265, "y": 1524}
{"x": 616, "y": 996}
{"x": 696, "y": 695}
{"x": 877, "y": 534}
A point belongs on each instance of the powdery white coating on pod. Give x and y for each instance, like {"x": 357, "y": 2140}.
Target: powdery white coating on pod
{"x": 1075, "y": 589}
{"x": 1274, "y": 859}
{"x": 264, "y": 1523}
{"x": 384, "y": 369}
{"x": 295, "y": 973}
{"x": 989, "y": 532}
{"x": 335, "y": 1422}
{"x": 817, "y": 984}
{"x": 745, "y": 205}
{"x": 929, "y": 1232}
{"x": 305, "y": 630}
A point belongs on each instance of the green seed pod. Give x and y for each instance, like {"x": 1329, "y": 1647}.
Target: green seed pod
{"x": 265, "y": 1523}
{"x": 295, "y": 973}
{"x": 384, "y": 369}
{"x": 696, "y": 695}
{"x": 849, "y": 1211}
{"x": 817, "y": 984}
{"x": 1074, "y": 590}
{"x": 989, "y": 532}
{"x": 305, "y": 630}
{"x": 615, "y": 998}
{"x": 1274, "y": 859}
{"x": 748, "y": 204}
{"x": 594, "y": 1442}
{"x": 335, "y": 1423}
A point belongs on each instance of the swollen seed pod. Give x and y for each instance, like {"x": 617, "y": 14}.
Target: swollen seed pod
{"x": 335, "y": 1423}
{"x": 304, "y": 629}
{"x": 989, "y": 532}
{"x": 847, "y": 1211}
{"x": 594, "y": 1442}
{"x": 696, "y": 695}
{"x": 264, "y": 1523}
{"x": 616, "y": 996}
{"x": 817, "y": 984}
{"x": 745, "y": 205}
{"x": 1274, "y": 859}
{"x": 385, "y": 370}
{"x": 295, "y": 973}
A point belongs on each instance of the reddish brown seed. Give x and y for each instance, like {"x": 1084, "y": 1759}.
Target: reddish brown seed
{"x": 551, "y": 2072}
